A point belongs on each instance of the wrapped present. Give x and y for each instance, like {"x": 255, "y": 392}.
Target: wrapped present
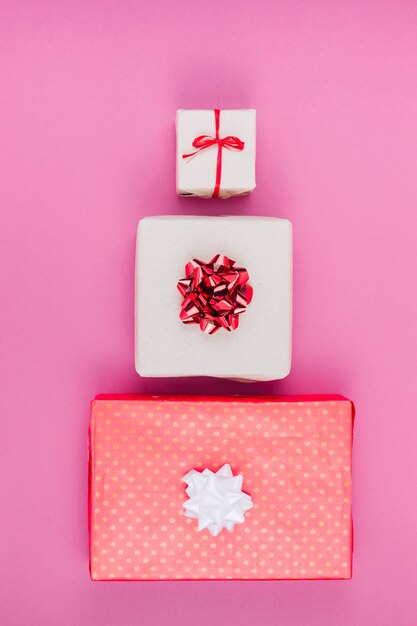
{"x": 220, "y": 488}
{"x": 213, "y": 297}
{"x": 216, "y": 152}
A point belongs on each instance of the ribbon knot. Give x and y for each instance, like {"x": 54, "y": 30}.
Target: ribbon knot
{"x": 207, "y": 141}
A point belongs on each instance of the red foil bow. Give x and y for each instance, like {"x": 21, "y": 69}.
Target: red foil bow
{"x": 206, "y": 141}
{"x": 215, "y": 294}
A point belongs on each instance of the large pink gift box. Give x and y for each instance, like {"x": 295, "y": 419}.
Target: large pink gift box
{"x": 294, "y": 454}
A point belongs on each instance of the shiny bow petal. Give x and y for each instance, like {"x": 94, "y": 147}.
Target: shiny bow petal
{"x": 214, "y": 293}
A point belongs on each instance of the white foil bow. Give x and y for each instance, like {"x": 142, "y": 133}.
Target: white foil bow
{"x": 216, "y": 500}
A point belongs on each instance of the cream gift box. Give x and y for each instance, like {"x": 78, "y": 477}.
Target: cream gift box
{"x": 216, "y": 152}
{"x": 260, "y": 348}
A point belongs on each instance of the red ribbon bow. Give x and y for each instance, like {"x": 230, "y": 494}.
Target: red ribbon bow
{"x": 206, "y": 141}
{"x": 215, "y": 294}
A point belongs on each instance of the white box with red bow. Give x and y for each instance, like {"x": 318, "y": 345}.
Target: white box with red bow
{"x": 216, "y": 152}
{"x": 214, "y": 297}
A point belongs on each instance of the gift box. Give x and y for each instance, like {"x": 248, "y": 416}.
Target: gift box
{"x": 215, "y": 152}
{"x": 220, "y": 488}
{"x": 214, "y": 297}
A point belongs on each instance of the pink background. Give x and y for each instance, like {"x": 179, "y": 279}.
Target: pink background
{"x": 88, "y": 95}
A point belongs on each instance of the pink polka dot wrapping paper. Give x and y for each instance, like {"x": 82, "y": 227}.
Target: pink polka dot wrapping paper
{"x": 295, "y": 457}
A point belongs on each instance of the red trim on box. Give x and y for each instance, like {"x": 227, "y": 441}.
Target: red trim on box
{"x": 207, "y": 398}
{"x": 89, "y": 505}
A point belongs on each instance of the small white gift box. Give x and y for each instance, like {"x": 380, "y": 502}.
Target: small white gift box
{"x": 216, "y": 152}
{"x": 260, "y": 347}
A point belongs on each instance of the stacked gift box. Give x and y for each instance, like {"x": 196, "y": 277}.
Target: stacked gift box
{"x": 191, "y": 487}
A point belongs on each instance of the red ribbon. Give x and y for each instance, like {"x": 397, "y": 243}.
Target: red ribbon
{"x": 214, "y": 293}
{"x": 206, "y": 141}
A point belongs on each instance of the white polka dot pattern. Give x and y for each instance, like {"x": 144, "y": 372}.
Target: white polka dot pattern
{"x": 295, "y": 457}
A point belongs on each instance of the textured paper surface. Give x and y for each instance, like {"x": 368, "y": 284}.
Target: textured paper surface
{"x": 197, "y": 175}
{"x": 295, "y": 456}
{"x": 260, "y": 349}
